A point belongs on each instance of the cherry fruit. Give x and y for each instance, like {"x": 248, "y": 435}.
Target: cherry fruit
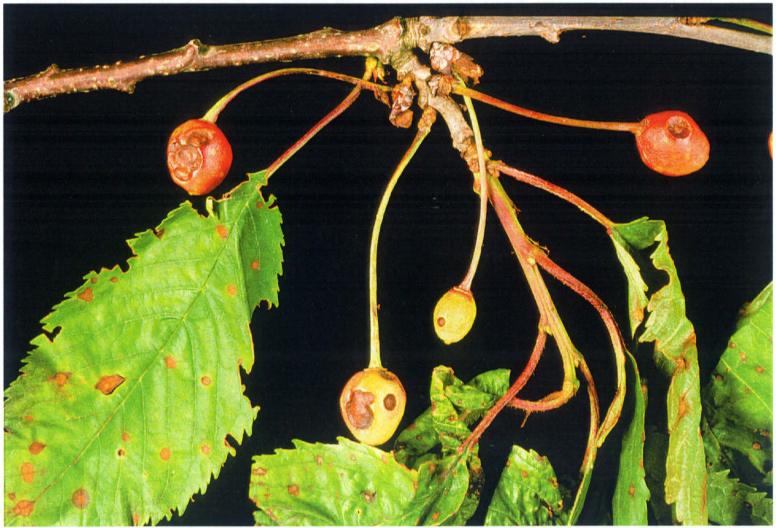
{"x": 198, "y": 156}
{"x": 454, "y": 315}
{"x": 372, "y": 405}
{"x": 671, "y": 143}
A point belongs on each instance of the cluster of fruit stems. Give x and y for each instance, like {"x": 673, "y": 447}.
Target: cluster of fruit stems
{"x": 530, "y": 255}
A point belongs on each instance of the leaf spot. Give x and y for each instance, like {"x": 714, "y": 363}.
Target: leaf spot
{"x": 318, "y": 460}
{"x": 125, "y": 436}
{"x": 222, "y": 231}
{"x": 435, "y": 516}
{"x": 12, "y": 496}
{"x": 28, "y": 418}
{"x": 170, "y": 362}
{"x": 259, "y": 204}
{"x": 255, "y": 265}
{"x": 205, "y": 449}
{"x": 742, "y": 357}
{"x": 681, "y": 363}
{"x": 24, "y": 508}
{"x": 80, "y": 498}
{"x": 135, "y": 519}
{"x": 108, "y": 384}
{"x": 293, "y": 489}
{"x": 121, "y": 452}
{"x": 60, "y": 379}
{"x": 759, "y": 369}
{"x": 164, "y": 454}
{"x": 523, "y": 473}
{"x": 114, "y": 280}
{"x": 231, "y": 290}
{"x": 205, "y": 380}
{"x": 259, "y": 471}
{"x": 632, "y": 490}
{"x": 28, "y": 472}
{"x": 36, "y": 447}
{"x": 369, "y": 496}
{"x": 756, "y": 446}
{"x": 554, "y": 482}
{"x": 87, "y": 295}
{"x": 93, "y": 280}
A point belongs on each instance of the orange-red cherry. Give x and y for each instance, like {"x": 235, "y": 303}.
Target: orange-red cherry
{"x": 198, "y": 156}
{"x": 671, "y": 143}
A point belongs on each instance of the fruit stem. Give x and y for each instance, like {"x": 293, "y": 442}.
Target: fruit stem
{"x": 328, "y": 118}
{"x": 558, "y": 191}
{"x": 424, "y": 127}
{"x": 522, "y": 379}
{"x": 523, "y": 246}
{"x": 466, "y": 283}
{"x": 212, "y": 114}
{"x": 540, "y": 116}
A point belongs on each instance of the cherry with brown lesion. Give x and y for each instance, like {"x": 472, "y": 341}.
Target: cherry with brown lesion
{"x": 372, "y": 405}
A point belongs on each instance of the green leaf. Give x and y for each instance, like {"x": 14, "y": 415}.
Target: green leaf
{"x": 456, "y": 406}
{"x": 425, "y": 482}
{"x": 354, "y": 484}
{"x": 124, "y": 406}
{"x": 527, "y": 492}
{"x": 738, "y": 401}
{"x": 733, "y": 502}
{"x": 673, "y": 336}
{"x": 629, "y": 504}
{"x": 655, "y": 450}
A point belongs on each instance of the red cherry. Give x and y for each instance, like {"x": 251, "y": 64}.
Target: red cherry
{"x": 198, "y": 156}
{"x": 672, "y": 143}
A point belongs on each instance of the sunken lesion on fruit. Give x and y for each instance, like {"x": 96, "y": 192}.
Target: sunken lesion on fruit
{"x": 372, "y": 405}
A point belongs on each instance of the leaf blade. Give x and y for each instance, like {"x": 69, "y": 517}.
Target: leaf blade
{"x": 673, "y": 336}
{"x": 99, "y": 394}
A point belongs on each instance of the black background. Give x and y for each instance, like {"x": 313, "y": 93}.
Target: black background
{"x": 85, "y": 172}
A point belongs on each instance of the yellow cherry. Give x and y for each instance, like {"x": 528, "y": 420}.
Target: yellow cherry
{"x": 372, "y": 405}
{"x": 454, "y": 315}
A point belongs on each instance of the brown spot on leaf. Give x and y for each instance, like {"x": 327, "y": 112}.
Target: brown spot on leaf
{"x": 12, "y": 496}
{"x": 135, "y": 519}
{"x": 114, "y": 280}
{"x": 293, "y": 489}
{"x": 259, "y": 204}
{"x": 631, "y": 490}
{"x": 36, "y": 447}
{"x": 23, "y": 508}
{"x": 80, "y": 498}
{"x": 60, "y": 379}
{"x": 28, "y": 418}
{"x": 222, "y": 231}
{"x": 259, "y": 471}
{"x": 369, "y": 496}
{"x": 523, "y": 473}
{"x": 205, "y": 448}
{"x": 435, "y": 516}
{"x": 731, "y": 344}
{"x": 125, "y": 436}
{"x": 170, "y": 362}
{"x": 718, "y": 377}
{"x": 205, "y": 380}
{"x": 759, "y": 369}
{"x": 554, "y": 482}
{"x": 681, "y": 363}
{"x": 742, "y": 356}
{"x": 93, "y": 280}
{"x": 318, "y": 459}
{"x": 255, "y": 265}
{"x": 28, "y": 472}
{"x": 121, "y": 452}
{"x": 108, "y": 384}
{"x": 231, "y": 290}
{"x": 87, "y": 295}
{"x": 165, "y": 454}
{"x": 756, "y": 446}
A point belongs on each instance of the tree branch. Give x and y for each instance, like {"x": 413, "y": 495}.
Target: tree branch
{"x": 387, "y": 42}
